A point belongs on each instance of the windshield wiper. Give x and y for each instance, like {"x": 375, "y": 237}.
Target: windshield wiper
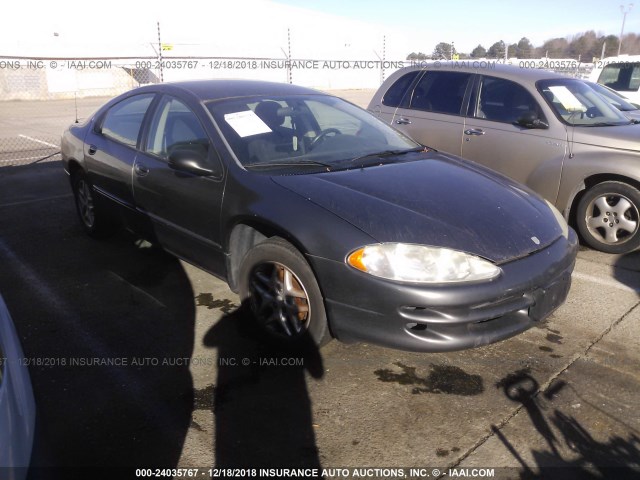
{"x": 292, "y": 163}
{"x": 604, "y": 124}
{"x": 388, "y": 153}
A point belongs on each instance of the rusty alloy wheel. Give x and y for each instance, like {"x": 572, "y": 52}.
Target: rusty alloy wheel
{"x": 280, "y": 287}
{"x": 279, "y": 299}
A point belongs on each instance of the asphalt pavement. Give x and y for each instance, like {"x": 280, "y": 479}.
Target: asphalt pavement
{"x": 140, "y": 360}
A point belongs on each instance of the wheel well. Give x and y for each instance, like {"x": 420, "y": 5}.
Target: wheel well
{"x": 592, "y": 181}
{"x": 242, "y": 239}
{"x": 73, "y": 168}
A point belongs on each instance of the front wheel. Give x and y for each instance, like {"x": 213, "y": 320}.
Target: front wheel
{"x": 283, "y": 293}
{"x": 608, "y": 217}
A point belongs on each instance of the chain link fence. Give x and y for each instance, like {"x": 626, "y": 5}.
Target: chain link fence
{"x": 40, "y": 97}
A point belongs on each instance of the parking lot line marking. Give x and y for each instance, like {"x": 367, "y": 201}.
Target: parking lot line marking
{"x": 23, "y": 159}
{"x": 35, "y": 200}
{"x": 605, "y": 282}
{"x": 39, "y": 141}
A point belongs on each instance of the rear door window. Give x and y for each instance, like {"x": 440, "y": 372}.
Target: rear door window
{"x": 440, "y": 92}
{"x": 123, "y": 121}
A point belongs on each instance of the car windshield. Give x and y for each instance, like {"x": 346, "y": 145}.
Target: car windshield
{"x": 576, "y": 103}
{"x": 305, "y": 131}
{"x": 613, "y": 97}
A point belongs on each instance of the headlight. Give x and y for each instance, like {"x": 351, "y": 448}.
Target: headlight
{"x": 561, "y": 221}
{"x": 421, "y": 264}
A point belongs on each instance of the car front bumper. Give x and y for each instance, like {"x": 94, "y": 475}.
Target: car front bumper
{"x": 361, "y": 307}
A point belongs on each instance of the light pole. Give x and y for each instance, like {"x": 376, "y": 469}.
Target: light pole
{"x": 624, "y": 17}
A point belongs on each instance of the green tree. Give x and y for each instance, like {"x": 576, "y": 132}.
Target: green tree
{"x": 479, "y": 52}
{"x": 496, "y": 50}
{"x": 525, "y": 49}
{"x": 611, "y": 48}
{"x": 413, "y": 56}
{"x": 442, "y": 51}
{"x": 513, "y": 50}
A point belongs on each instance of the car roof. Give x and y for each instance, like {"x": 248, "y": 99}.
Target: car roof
{"x": 489, "y": 67}
{"x": 223, "y": 88}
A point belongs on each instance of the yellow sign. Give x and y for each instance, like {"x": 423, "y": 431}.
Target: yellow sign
{"x": 167, "y": 47}
{"x": 455, "y": 56}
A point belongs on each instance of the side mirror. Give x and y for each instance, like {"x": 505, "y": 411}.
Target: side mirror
{"x": 190, "y": 160}
{"x": 530, "y": 120}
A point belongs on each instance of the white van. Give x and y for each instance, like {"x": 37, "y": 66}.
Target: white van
{"x": 621, "y": 74}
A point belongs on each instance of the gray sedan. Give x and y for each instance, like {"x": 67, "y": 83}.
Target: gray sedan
{"x": 548, "y": 131}
{"x": 307, "y": 206}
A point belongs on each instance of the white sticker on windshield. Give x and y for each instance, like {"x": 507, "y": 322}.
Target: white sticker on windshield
{"x": 246, "y": 123}
{"x": 567, "y": 99}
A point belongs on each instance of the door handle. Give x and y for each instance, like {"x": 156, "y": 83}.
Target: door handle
{"x": 403, "y": 121}
{"x": 474, "y": 131}
{"x": 92, "y": 149}
{"x": 140, "y": 169}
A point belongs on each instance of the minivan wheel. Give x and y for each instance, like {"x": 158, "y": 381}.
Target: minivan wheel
{"x": 608, "y": 217}
{"x": 94, "y": 221}
{"x": 283, "y": 293}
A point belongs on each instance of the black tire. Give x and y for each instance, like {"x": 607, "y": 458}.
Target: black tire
{"x": 289, "y": 313}
{"x": 95, "y": 221}
{"x": 608, "y": 217}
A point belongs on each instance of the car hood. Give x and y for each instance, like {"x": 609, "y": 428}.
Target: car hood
{"x": 439, "y": 201}
{"x": 624, "y": 137}
{"x": 632, "y": 114}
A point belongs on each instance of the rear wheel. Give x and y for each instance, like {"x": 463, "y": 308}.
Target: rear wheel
{"x": 608, "y": 217}
{"x": 283, "y": 293}
{"x": 93, "y": 218}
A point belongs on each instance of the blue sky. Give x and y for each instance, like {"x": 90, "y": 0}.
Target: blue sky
{"x": 319, "y": 28}
{"x": 486, "y": 21}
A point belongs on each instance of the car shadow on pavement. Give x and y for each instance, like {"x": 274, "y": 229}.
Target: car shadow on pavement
{"x": 626, "y": 270}
{"x": 573, "y": 448}
{"x": 261, "y": 406}
{"x": 107, "y": 329}
{"x": 124, "y": 396}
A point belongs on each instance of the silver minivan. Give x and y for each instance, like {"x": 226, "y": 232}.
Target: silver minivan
{"x": 550, "y": 132}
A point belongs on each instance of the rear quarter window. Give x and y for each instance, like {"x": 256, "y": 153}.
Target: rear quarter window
{"x": 393, "y": 97}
